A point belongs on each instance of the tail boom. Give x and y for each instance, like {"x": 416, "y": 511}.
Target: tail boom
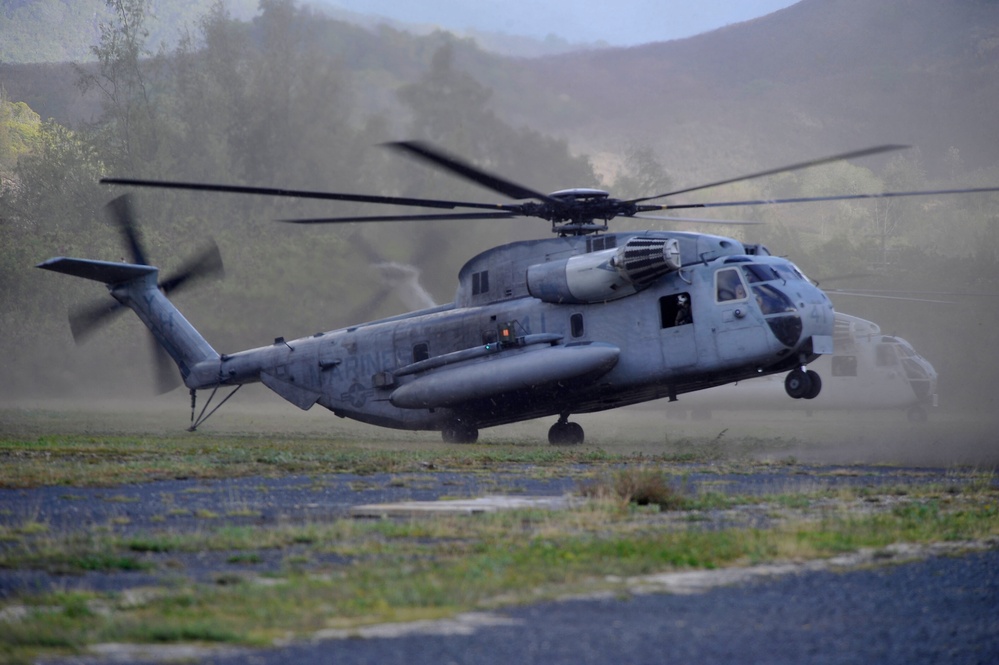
{"x": 135, "y": 286}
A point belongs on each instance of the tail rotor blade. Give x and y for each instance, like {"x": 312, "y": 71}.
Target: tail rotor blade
{"x": 207, "y": 263}
{"x": 120, "y": 210}
{"x": 84, "y": 321}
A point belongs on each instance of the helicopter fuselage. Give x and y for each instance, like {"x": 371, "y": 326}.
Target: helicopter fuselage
{"x": 584, "y": 341}
{"x": 582, "y": 322}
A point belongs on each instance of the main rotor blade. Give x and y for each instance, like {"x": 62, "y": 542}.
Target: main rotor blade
{"x": 465, "y": 170}
{"x": 840, "y": 197}
{"x": 782, "y": 169}
{"x": 205, "y": 264}
{"x": 402, "y": 218}
{"x": 860, "y": 294}
{"x": 300, "y": 194}
{"x": 697, "y": 220}
{"x": 950, "y": 294}
{"x": 120, "y": 210}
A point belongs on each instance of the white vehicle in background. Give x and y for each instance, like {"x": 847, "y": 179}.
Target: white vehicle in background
{"x": 867, "y": 370}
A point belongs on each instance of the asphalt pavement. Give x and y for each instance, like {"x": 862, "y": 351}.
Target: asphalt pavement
{"x": 937, "y": 610}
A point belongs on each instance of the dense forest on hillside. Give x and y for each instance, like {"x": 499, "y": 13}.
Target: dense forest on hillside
{"x": 298, "y": 100}
{"x": 65, "y": 30}
{"x": 59, "y": 31}
{"x": 267, "y": 103}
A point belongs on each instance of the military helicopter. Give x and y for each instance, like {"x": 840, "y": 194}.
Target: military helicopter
{"x": 579, "y": 323}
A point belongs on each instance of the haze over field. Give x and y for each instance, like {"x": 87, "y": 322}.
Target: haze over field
{"x": 296, "y": 100}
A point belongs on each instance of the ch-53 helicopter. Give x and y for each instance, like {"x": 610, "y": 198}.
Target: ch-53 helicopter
{"x": 583, "y": 322}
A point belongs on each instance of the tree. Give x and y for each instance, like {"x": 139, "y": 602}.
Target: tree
{"x": 129, "y": 119}
{"x": 894, "y": 215}
{"x": 642, "y": 175}
{"x": 450, "y": 108}
{"x": 19, "y": 130}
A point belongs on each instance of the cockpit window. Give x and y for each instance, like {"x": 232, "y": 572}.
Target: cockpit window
{"x": 788, "y": 272}
{"x": 771, "y": 300}
{"x": 885, "y": 355}
{"x": 903, "y": 348}
{"x": 759, "y": 272}
{"x": 728, "y": 285}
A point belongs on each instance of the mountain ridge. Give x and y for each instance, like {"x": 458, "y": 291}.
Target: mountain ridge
{"x": 822, "y": 73}
{"x": 818, "y": 76}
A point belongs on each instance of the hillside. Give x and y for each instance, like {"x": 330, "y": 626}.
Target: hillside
{"x": 53, "y": 31}
{"x": 820, "y": 75}
{"x": 298, "y": 100}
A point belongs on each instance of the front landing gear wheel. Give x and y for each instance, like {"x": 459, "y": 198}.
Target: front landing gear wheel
{"x": 564, "y": 433}
{"x": 798, "y": 384}
{"x": 459, "y": 433}
{"x": 816, "y": 381}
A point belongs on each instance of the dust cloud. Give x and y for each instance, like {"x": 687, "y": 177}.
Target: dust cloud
{"x": 703, "y": 132}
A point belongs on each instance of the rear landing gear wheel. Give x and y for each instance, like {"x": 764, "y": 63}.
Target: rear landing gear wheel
{"x": 564, "y": 433}
{"x": 459, "y": 433}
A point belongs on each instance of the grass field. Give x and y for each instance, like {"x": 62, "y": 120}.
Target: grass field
{"x": 298, "y": 576}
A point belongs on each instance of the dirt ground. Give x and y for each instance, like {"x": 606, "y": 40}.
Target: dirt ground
{"x": 948, "y": 438}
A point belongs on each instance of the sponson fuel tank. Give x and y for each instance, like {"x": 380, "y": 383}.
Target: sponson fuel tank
{"x": 604, "y": 275}
{"x": 506, "y": 374}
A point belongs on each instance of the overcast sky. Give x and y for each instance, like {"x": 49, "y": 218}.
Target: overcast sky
{"x": 619, "y": 23}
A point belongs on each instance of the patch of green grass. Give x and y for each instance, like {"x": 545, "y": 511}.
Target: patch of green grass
{"x": 81, "y": 460}
{"x": 32, "y": 527}
{"x": 106, "y": 562}
{"x": 442, "y": 566}
{"x": 121, "y": 498}
{"x": 345, "y": 573}
{"x": 248, "y": 558}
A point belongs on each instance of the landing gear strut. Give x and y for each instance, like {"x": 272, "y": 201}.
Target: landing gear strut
{"x": 195, "y": 422}
{"x": 803, "y": 384}
{"x": 564, "y": 433}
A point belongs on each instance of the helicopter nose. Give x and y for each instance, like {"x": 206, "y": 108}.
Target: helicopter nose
{"x": 821, "y": 320}
{"x": 798, "y": 316}
{"x": 817, "y": 319}
{"x": 921, "y": 375}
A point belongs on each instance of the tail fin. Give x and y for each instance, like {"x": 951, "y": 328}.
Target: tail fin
{"x": 135, "y": 286}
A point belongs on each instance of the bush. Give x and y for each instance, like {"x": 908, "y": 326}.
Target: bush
{"x": 642, "y": 486}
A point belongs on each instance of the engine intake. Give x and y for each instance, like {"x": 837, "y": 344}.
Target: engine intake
{"x": 605, "y": 275}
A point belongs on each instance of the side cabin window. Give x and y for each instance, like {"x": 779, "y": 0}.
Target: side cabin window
{"x": 675, "y": 311}
{"x": 844, "y": 365}
{"x": 421, "y": 351}
{"x": 576, "y": 325}
{"x": 728, "y": 285}
{"x": 480, "y": 282}
{"x": 884, "y": 355}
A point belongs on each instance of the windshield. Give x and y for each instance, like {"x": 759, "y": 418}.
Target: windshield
{"x": 771, "y": 300}
{"x": 769, "y": 272}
